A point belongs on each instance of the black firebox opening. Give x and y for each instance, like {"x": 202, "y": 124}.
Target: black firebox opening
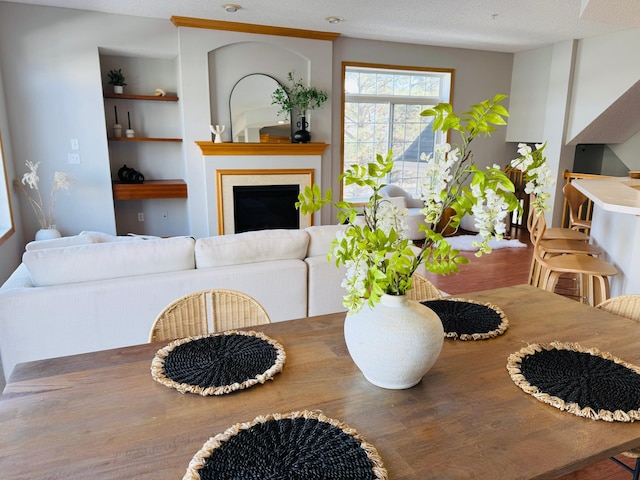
{"x": 261, "y": 207}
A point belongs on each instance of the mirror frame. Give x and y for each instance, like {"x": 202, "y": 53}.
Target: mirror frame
{"x": 231, "y": 97}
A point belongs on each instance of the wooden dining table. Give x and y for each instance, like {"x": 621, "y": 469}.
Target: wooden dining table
{"x": 101, "y": 416}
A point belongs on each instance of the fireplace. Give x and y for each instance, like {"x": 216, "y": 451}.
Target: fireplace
{"x": 229, "y": 164}
{"x": 262, "y": 207}
{"x": 261, "y": 199}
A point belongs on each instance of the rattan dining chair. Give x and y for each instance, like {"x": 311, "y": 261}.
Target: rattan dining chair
{"x": 422, "y": 289}
{"x": 207, "y": 311}
{"x": 627, "y": 306}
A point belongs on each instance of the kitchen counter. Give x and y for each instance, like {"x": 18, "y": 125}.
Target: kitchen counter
{"x": 613, "y": 194}
{"x": 616, "y": 227}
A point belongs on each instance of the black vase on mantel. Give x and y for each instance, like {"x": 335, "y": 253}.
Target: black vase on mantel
{"x": 302, "y": 135}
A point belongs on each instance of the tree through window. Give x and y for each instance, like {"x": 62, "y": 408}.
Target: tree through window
{"x": 382, "y": 108}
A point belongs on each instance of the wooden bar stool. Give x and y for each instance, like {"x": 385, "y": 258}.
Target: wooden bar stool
{"x": 591, "y": 273}
{"x": 554, "y": 247}
{"x": 555, "y": 233}
{"x": 576, "y": 200}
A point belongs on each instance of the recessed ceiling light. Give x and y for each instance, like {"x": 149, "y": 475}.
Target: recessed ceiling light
{"x": 231, "y": 7}
{"x": 334, "y": 19}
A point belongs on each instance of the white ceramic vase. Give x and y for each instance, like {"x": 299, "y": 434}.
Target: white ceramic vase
{"x": 395, "y": 343}
{"x": 47, "y": 233}
{"x": 118, "y": 89}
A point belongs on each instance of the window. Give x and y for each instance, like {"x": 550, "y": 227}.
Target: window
{"x": 382, "y": 108}
{"x": 6, "y": 218}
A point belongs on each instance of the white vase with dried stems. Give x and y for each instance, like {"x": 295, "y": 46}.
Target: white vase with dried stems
{"x": 45, "y": 215}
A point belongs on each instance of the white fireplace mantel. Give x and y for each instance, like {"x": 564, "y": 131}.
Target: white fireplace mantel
{"x": 286, "y": 158}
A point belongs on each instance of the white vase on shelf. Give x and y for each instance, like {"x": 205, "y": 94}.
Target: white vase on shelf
{"x": 395, "y": 343}
{"x": 47, "y": 233}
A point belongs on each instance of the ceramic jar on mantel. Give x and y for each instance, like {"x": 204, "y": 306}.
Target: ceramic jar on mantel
{"x": 395, "y": 343}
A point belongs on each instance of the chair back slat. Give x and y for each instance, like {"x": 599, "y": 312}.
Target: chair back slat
{"x": 207, "y": 311}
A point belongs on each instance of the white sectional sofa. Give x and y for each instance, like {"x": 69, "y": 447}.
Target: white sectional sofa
{"x": 95, "y": 291}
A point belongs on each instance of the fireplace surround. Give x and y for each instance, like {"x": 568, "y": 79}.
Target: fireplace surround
{"x": 229, "y": 164}
{"x": 228, "y": 180}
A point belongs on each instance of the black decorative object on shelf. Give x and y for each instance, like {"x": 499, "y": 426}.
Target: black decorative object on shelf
{"x": 130, "y": 175}
{"x": 302, "y": 135}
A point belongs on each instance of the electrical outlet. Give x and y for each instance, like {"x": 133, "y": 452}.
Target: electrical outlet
{"x": 165, "y": 216}
{"x": 141, "y": 217}
{"x": 74, "y": 144}
{"x": 74, "y": 158}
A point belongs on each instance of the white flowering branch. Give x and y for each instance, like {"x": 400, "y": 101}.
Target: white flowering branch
{"x": 61, "y": 181}
{"x": 537, "y": 174}
{"x": 374, "y": 247}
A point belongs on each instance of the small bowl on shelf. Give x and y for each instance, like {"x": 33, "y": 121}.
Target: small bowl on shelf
{"x": 634, "y": 173}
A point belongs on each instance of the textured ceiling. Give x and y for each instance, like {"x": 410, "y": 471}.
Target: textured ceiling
{"x": 496, "y": 25}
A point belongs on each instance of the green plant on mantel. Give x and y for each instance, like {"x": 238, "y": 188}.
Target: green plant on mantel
{"x": 116, "y": 77}
{"x": 297, "y": 96}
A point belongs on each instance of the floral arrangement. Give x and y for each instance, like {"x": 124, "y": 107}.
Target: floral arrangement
{"x": 374, "y": 248}
{"x": 61, "y": 181}
{"x": 297, "y": 96}
{"x": 537, "y": 175}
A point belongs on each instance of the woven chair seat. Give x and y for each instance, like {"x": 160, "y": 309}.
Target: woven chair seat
{"x": 634, "y": 453}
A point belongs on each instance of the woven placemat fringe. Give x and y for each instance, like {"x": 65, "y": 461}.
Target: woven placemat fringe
{"x": 514, "y": 364}
{"x": 199, "y": 460}
{"x": 159, "y": 375}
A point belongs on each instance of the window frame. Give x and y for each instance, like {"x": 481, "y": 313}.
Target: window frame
{"x": 404, "y": 99}
{"x": 5, "y": 230}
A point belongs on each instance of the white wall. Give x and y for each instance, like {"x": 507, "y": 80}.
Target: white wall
{"x": 13, "y": 246}
{"x": 606, "y": 67}
{"x": 197, "y": 46}
{"x": 529, "y": 91}
{"x": 560, "y": 90}
{"x": 628, "y": 152}
{"x": 50, "y": 61}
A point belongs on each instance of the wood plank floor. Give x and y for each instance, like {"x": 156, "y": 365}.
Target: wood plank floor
{"x": 502, "y": 268}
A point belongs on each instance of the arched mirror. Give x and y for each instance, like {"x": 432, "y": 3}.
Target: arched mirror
{"x": 253, "y": 118}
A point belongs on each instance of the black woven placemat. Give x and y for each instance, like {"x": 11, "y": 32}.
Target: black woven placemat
{"x": 294, "y": 446}
{"x": 219, "y": 363}
{"x": 464, "y": 319}
{"x": 583, "y": 381}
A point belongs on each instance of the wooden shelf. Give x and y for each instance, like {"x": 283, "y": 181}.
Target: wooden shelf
{"x": 143, "y": 139}
{"x": 150, "y": 189}
{"x": 123, "y": 96}
{"x": 210, "y": 148}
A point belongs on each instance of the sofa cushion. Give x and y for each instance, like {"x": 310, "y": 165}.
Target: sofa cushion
{"x": 399, "y": 202}
{"x": 83, "y": 238}
{"x": 62, "y": 242}
{"x": 320, "y": 238}
{"x": 101, "y": 261}
{"x": 251, "y": 247}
